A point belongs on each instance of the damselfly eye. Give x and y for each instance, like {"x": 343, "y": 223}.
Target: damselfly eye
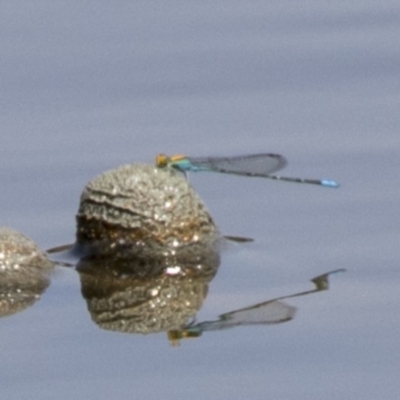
{"x": 161, "y": 160}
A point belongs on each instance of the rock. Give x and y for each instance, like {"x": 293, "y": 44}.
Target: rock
{"x": 142, "y": 210}
{"x": 24, "y": 270}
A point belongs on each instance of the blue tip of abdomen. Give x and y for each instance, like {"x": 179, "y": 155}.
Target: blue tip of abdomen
{"x": 329, "y": 183}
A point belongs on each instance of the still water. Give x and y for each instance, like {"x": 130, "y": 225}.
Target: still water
{"x": 88, "y": 87}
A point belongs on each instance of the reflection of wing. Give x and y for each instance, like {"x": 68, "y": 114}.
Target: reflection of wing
{"x": 270, "y": 312}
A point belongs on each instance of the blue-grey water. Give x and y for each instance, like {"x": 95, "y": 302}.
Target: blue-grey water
{"x": 88, "y": 86}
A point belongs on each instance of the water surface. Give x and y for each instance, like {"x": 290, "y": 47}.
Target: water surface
{"x": 88, "y": 87}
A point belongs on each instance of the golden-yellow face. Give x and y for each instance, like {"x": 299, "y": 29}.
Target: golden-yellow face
{"x": 161, "y": 161}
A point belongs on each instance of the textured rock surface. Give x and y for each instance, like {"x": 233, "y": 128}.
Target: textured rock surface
{"x": 24, "y": 270}
{"x": 141, "y": 209}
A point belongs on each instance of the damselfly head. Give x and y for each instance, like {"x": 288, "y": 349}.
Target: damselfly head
{"x": 161, "y": 161}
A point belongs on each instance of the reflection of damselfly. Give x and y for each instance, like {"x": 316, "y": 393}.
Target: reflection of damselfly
{"x": 257, "y": 165}
{"x": 269, "y": 312}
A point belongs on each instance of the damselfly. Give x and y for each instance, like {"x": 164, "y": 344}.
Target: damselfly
{"x": 257, "y": 165}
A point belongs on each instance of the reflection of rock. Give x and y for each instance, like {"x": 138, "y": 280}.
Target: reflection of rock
{"x": 149, "y": 295}
{"x": 142, "y": 210}
{"x": 23, "y": 272}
